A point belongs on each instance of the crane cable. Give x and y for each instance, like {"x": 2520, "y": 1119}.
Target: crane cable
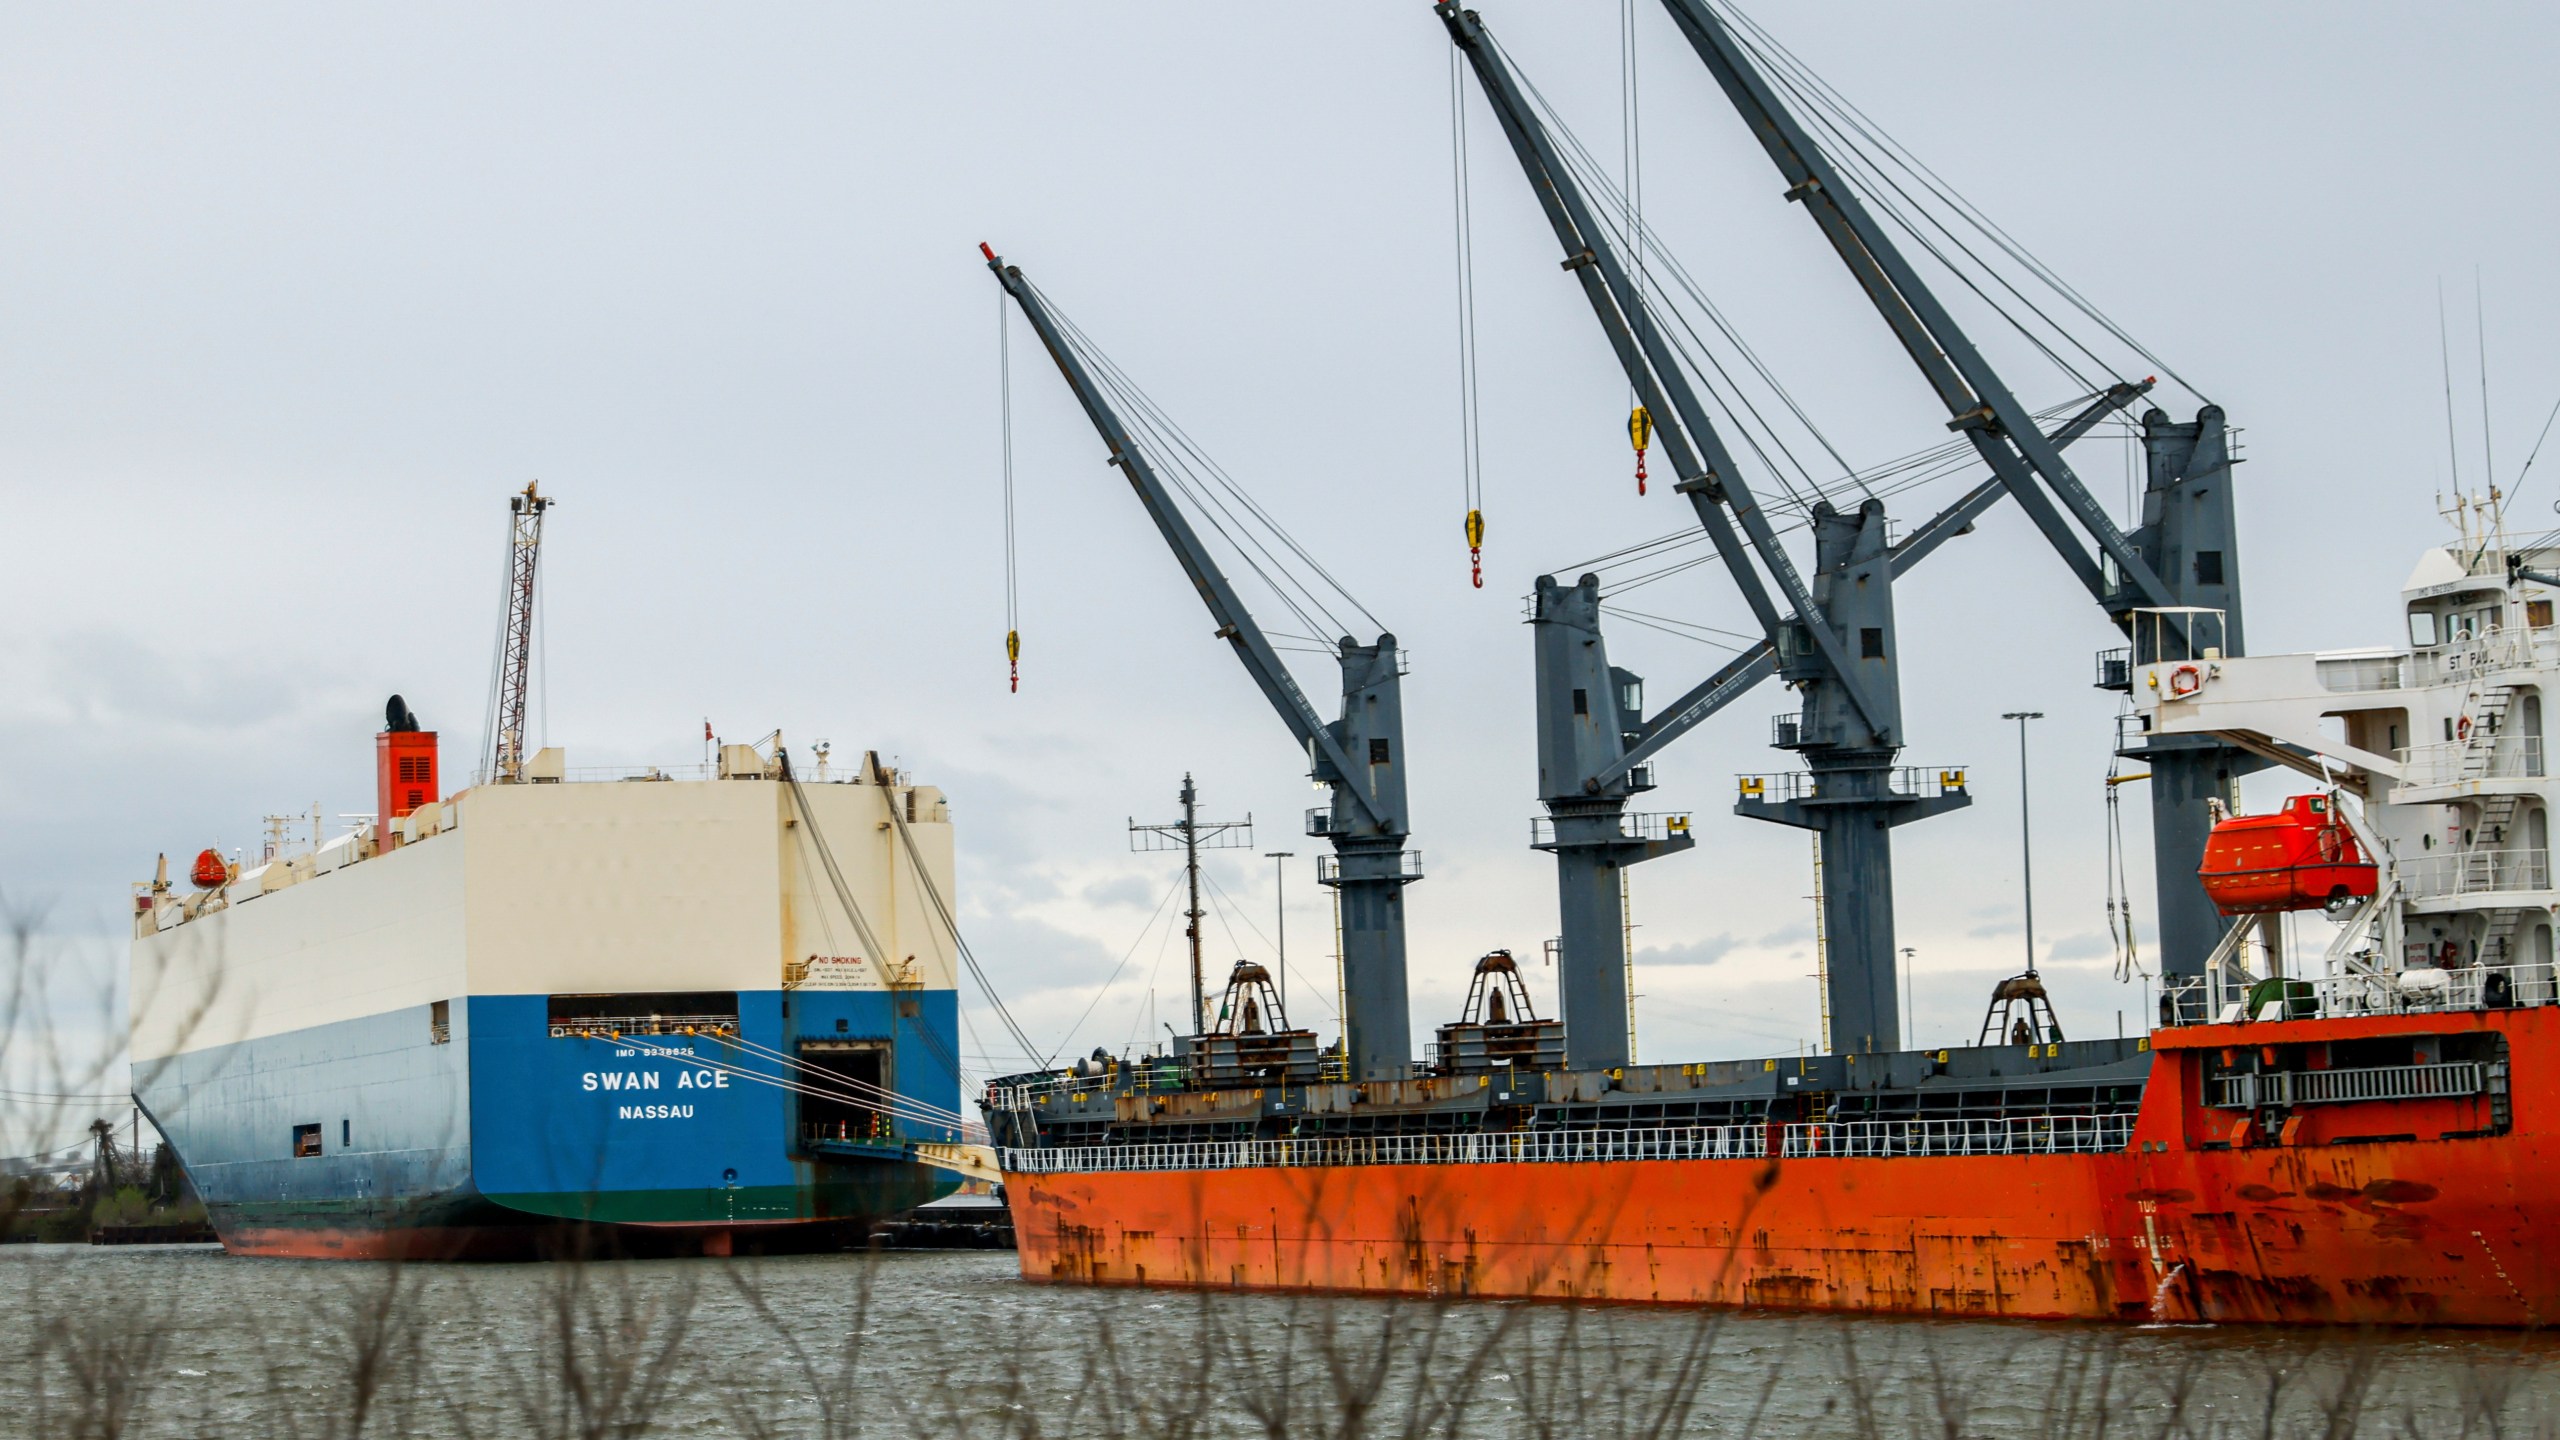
{"x": 1012, "y": 601}
{"x": 2119, "y": 885}
{"x": 1463, "y": 260}
{"x": 1631, "y": 211}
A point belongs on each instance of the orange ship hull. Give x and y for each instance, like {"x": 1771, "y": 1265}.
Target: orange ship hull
{"x": 2193, "y": 1222}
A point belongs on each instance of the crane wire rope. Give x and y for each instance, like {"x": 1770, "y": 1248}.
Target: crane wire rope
{"x": 1644, "y": 246}
{"x": 905, "y": 1110}
{"x": 950, "y": 922}
{"x": 1847, "y": 127}
{"x": 1179, "y": 454}
{"x": 1463, "y": 259}
{"x": 1004, "y": 407}
{"x": 1172, "y": 454}
{"x": 862, "y": 925}
{"x": 1631, "y": 213}
{"x": 1771, "y": 49}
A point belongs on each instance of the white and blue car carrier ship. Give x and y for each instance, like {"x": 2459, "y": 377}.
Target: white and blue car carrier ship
{"x": 650, "y": 1012}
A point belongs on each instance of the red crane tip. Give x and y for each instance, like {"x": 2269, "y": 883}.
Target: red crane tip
{"x": 987, "y": 250}
{"x": 2150, "y": 379}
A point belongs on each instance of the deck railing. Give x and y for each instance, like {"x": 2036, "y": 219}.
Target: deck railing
{"x": 2475, "y": 872}
{"x": 2418, "y": 990}
{"x": 2035, "y": 1135}
{"x": 2024, "y": 1135}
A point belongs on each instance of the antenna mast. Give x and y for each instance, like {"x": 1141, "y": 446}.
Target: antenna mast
{"x": 515, "y": 642}
{"x": 1188, "y": 835}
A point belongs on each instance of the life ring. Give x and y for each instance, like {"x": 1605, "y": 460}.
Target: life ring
{"x": 2462, "y": 728}
{"x": 2184, "y": 681}
{"x": 2332, "y": 844}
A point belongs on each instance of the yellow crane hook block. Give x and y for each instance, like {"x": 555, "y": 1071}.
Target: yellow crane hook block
{"x": 1640, "y": 431}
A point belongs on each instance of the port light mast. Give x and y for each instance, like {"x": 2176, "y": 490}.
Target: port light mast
{"x": 506, "y": 758}
{"x": 1359, "y": 757}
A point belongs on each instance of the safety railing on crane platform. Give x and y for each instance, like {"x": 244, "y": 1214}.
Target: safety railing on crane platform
{"x": 1912, "y": 782}
{"x": 1408, "y": 867}
{"x": 1631, "y": 826}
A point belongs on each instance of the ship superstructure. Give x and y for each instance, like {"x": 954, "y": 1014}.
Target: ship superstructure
{"x": 651, "y": 1009}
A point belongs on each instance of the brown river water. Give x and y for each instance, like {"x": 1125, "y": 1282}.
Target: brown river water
{"x": 185, "y": 1341}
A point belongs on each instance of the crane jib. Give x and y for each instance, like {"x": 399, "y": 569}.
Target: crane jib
{"x": 1236, "y": 623}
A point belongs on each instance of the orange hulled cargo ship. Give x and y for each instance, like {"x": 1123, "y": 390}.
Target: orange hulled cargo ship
{"x": 2364, "y": 1138}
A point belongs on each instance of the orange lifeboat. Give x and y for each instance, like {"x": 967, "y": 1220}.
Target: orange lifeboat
{"x": 2299, "y": 858}
{"x": 211, "y": 871}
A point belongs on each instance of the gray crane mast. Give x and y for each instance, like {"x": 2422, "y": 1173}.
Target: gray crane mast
{"x": 1588, "y": 710}
{"x": 1849, "y": 729}
{"x": 1856, "y": 796}
{"x": 1359, "y": 756}
{"x": 2185, "y": 552}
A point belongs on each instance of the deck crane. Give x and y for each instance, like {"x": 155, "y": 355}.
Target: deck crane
{"x": 1359, "y": 756}
{"x": 515, "y": 640}
{"x": 2183, "y": 559}
{"x": 1834, "y": 641}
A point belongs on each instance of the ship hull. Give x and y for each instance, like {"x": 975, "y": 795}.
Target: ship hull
{"x": 2193, "y": 1221}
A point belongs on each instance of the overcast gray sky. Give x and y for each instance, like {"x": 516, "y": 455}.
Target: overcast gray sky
{"x": 295, "y": 295}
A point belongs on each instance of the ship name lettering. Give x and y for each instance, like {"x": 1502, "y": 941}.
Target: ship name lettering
{"x": 702, "y": 1080}
{"x": 655, "y": 1112}
{"x": 620, "y": 1080}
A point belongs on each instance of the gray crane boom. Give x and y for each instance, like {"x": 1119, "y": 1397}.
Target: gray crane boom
{"x": 1360, "y": 757}
{"x": 1759, "y": 661}
{"x": 1716, "y": 486}
{"x": 1979, "y": 403}
{"x": 1236, "y": 624}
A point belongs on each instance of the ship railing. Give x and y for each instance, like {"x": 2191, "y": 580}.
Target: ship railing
{"x": 2360, "y": 674}
{"x": 1519, "y": 1147}
{"x": 2421, "y": 989}
{"x": 2474, "y": 872}
{"x": 2417, "y": 989}
{"x": 2506, "y": 756}
{"x": 2015, "y": 1135}
{"x": 2454, "y": 1080}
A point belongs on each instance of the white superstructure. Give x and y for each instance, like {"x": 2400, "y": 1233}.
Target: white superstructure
{"x": 2441, "y": 738}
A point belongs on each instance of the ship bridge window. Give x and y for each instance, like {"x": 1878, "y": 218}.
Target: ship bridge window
{"x": 667, "y": 1013}
{"x": 2422, "y": 628}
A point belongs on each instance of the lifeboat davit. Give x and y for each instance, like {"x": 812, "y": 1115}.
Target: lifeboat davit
{"x": 2302, "y": 857}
